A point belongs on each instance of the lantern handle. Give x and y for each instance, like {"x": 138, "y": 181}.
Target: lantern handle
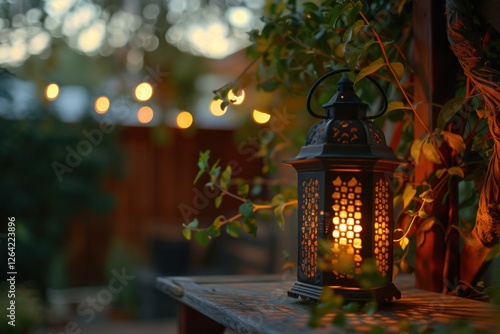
{"x": 342, "y": 70}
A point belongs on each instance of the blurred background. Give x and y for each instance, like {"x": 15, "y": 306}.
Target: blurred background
{"x": 104, "y": 108}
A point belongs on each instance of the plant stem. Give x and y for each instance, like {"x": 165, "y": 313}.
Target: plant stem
{"x": 403, "y": 91}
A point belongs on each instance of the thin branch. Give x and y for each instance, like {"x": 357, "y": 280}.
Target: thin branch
{"x": 403, "y": 91}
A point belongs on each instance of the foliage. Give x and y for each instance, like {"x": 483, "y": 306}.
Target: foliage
{"x": 31, "y": 191}
{"x": 302, "y": 41}
{"x": 221, "y": 180}
{"x": 29, "y": 309}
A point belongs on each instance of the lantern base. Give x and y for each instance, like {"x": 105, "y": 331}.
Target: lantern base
{"x": 382, "y": 294}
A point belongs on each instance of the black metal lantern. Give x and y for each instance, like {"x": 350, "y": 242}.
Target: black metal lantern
{"x": 345, "y": 173}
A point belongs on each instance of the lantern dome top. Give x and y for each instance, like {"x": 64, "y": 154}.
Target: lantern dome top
{"x": 346, "y": 133}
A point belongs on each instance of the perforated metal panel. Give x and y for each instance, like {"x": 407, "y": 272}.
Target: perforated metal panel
{"x": 309, "y": 229}
{"x": 381, "y": 226}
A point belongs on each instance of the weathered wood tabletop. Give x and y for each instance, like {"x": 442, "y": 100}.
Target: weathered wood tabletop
{"x": 259, "y": 304}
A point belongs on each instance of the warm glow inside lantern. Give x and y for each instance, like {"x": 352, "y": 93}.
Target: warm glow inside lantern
{"x": 345, "y": 173}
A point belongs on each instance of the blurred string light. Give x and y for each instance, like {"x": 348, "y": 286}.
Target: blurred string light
{"x": 213, "y": 29}
{"x": 215, "y": 108}
{"x": 143, "y": 91}
{"x": 236, "y": 99}
{"x": 184, "y": 119}
{"x": 51, "y": 91}
{"x": 101, "y": 105}
{"x": 145, "y": 114}
{"x": 260, "y": 117}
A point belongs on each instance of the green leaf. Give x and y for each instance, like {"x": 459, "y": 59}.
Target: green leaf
{"x": 458, "y": 171}
{"x": 186, "y": 232}
{"x": 357, "y": 53}
{"x": 396, "y": 105}
{"x": 431, "y": 153}
{"x": 373, "y": 67}
{"x": 416, "y": 148}
{"x": 203, "y": 160}
{"x": 326, "y": 294}
{"x": 355, "y": 11}
{"x": 425, "y": 226}
{"x": 279, "y": 200}
{"x": 243, "y": 189}
{"x": 340, "y": 320}
{"x": 449, "y": 110}
{"x": 200, "y": 173}
{"x": 423, "y": 214}
{"x": 352, "y": 31}
{"x": 426, "y": 196}
{"x": 193, "y": 224}
{"x": 250, "y": 226}
{"x": 225, "y": 179}
{"x": 215, "y": 169}
{"x": 400, "y": 6}
{"x": 408, "y": 194}
{"x": 410, "y": 213}
{"x": 351, "y": 307}
{"x": 246, "y": 209}
{"x": 338, "y": 11}
{"x": 440, "y": 172}
{"x": 280, "y": 219}
{"x": 320, "y": 33}
{"x": 399, "y": 69}
{"x": 219, "y": 221}
{"x": 202, "y": 237}
{"x": 404, "y": 242}
{"x": 213, "y": 231}
{"x": 233, "y": 229}
{"x": 202, "y": 164}
{"x": 456, "y": 142}
{"x": 370, "y": 308}
{"x": 218, "y": 200}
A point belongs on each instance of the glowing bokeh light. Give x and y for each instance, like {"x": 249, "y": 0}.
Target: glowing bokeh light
{"x": 260, "y": 117}
{"x": 239, "y": 17}
{"x": 51, "y": 92}
{"x": 215, "y": 108}
{"x": 90, "y": 39}
{"x": 236, "y": 99}
{"x": 184, "y": 119}
{"x": 145, "y": 114}
{"x": 143, "y": 91}
{"x": 101, "y": 105}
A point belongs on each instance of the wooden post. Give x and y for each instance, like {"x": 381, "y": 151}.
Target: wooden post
{"x": 434, "y": 66}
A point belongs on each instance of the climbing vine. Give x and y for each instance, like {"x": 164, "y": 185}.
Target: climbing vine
{"x": 301, "y": 41}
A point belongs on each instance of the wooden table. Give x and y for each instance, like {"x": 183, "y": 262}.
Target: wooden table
{"x": 259, "y": 304}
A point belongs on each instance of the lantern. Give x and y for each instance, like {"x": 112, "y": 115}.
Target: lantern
{"x": 345, "y": 173}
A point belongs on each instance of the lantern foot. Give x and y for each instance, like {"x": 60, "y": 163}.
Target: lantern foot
{"x": 382, "y": 294}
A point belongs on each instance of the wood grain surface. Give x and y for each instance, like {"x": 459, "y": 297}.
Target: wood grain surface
{"x": 259, "y": 304}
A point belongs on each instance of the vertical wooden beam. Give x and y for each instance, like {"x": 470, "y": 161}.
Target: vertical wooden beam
{"x": 434, "y": 79}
